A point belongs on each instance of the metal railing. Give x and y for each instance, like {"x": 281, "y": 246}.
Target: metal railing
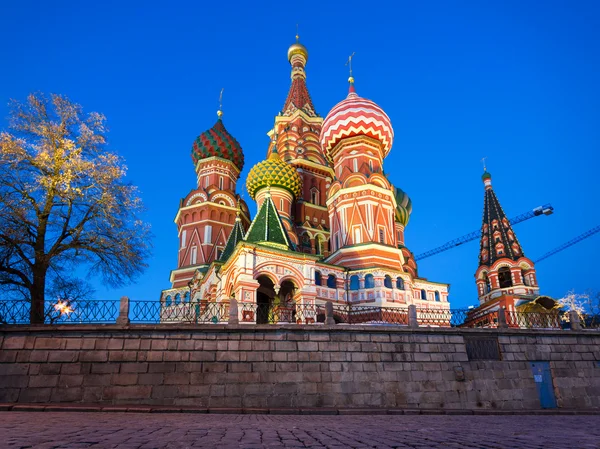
{"x": 155, "y": 312}
{"x": 363, "y": 314}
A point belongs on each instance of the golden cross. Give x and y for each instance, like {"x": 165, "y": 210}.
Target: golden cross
{"x": 221, "y": 98}
{"x": 297, "y": 35}
{"x": 349, "y": 62}
{"x": 483, "y": 162}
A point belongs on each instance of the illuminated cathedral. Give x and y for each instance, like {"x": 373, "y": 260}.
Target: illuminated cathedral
{"x": 329, "y": 225}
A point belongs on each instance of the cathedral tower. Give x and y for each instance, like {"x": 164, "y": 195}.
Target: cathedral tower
{"x": 207, "y": 214}
{"x": 503, "y": 268}
{"x": 296, "y": 139}
{"x": 356, "y": 136}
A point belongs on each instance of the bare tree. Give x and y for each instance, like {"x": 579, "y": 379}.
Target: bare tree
{"x": 64, "y": 202}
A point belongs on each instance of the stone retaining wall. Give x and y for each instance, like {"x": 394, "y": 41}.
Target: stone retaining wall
{"x": 294, "y": 366}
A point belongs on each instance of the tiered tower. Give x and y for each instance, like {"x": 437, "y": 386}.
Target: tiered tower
{"x": 356, "y": 136}
{"x": 504, "y": 275}
{"x": 207, "y": 214}
{"x": 295, "y": 137}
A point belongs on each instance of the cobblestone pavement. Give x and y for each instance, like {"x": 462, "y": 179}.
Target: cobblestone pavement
{"x": 51, "y": 430}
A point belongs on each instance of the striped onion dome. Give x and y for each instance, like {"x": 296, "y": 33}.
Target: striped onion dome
{"x": 217, "y": 142}
{"x": 404, "y": 206}
{"x": 274, "y": 173}
{"x": 356, "y": 116}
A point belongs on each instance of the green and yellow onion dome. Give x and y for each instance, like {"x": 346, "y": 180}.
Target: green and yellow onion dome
{"x": 217, "y": 142}
{"x": 274, "y": 173}
{"x": 404, "y": 206}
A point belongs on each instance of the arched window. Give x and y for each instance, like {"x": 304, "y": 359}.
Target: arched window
{"x": 504, "y": 277}
{"x": 331, "y": 281}
{"x": 177, "y": 299}
{"x": 354, "y": 283}
{"x": 317, "y": 278}
{"x": 369, "y": 281}
{"x": 524, "y": 277}
{"x": 168, "y": 300}
{"x": 486, "y": 288}
{"x": 399, "y": 283}
{"x": 387, "y": 282}
{"x": 186, "y": 297}
{"x": 437, "y": 296}
{"x": 423, "y": 294}
{"x": 314, "y": 196}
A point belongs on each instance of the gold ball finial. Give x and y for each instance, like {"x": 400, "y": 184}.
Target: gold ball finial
{"x": 219, "y": 113}
{"x": 351, "y": 80}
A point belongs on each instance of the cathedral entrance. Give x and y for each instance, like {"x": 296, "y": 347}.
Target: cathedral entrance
{"x": 264, "y": 299}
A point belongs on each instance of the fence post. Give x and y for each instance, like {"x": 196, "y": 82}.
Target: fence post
{"x": 574, "y": 320}
{"x": 233, "y": 312}
{"x": 412, "y": 316}
{"x": 123, "y": 318}
{"x": 502, "y": 324}
{"x": 329, "y": 314}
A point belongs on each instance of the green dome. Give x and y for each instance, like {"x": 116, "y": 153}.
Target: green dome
{"x": 486, "y": 175}
{"x": 404, "y": 206}
{"x": 274, "y": 173}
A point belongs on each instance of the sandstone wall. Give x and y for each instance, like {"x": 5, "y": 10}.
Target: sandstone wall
{"x": 294, "y": 366}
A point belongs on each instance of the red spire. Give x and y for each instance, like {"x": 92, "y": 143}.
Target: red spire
{"x": 298, "y": 96}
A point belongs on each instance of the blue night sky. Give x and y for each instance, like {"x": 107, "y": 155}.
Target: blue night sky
{"x": 511, "y": 80}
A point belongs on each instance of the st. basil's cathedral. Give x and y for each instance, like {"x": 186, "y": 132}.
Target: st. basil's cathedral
{"x": 329, "y": 225}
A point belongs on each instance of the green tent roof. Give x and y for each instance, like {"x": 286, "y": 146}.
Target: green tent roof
{"x": 267, "y": 227}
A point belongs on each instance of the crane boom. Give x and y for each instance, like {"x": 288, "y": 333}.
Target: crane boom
{"x": 546, "y": 209}
{"x": 571, "y": 242}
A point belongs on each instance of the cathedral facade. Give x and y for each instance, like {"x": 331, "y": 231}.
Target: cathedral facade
{"x": 329, "y": 225}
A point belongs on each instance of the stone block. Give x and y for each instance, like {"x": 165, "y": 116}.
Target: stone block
{"x": 134, "y": 368}
{"x": 105, "y": 368}
{"x": 93, "y": 356}
{"x": 202, "y": 356}
{"x": 162, "y": 367}
{"x": 8, "y": 356}
{"x": 177, "y": 379}
{"x": 49, "y": 343}
{"x": 63, "y": 356}
{"x": 7, "y": 369}
{"x": 124, "y": 379}
{"x": 122, "y": 356}
{"x": 123, "y": 393}
{"x": 320, "y": 336}
{"x": 97, "y": 380}
{"x": 45, "y": 381}
{"x": 70, "y": 380}
{"x": 13, "y": 342}
{"x": 131, "y": 344}
{"x": 159, "y": 345}
{"x": 35, "y": 395}
{"x": 150, "y": 379}
{"x": 74, "y": 394}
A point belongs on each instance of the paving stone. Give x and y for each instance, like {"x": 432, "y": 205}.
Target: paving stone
{"x": 254, "y": 431}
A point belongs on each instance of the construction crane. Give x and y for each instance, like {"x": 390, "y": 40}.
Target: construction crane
{"x": 571, "y": 242}
{"x": 546, "y": 209}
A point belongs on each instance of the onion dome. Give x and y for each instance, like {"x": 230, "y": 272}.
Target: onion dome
{"x": 486, "y": 175}
{"x": 403, "y": 206}
{"x": 356, "y": 116}
{"x": 297, "y": 49}
{"x": 274, "y": 173}
{"x": 217, "y": 142}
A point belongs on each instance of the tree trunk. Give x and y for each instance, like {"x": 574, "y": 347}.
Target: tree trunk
{"x": 38, "y": 289}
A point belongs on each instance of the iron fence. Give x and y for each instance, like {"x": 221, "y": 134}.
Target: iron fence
{"x": 61, "y": 312}
{"x": 363, "y": 314}
{"x": 99, "y": 311}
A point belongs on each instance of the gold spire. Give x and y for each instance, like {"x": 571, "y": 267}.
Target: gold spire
{"x": 220, "y": 111}
{"x": 349, "y": 64}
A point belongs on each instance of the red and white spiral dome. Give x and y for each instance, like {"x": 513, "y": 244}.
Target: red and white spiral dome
{"x": 356, "y": 116}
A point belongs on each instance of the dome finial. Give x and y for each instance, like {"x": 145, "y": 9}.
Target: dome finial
{"x": 297, "y": 35}
{"x": 350, "y": 78}
{"x": 220, "y": 111}
{"x": 486, "y": 177}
